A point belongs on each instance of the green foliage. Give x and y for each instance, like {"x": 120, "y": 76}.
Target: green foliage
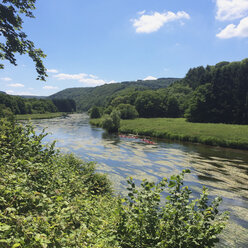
{"x": 201, "y": 105}
{"x": 48, "y": 199}
{"x": 215, "y": 94}
{"x": 52, "y": 200}
{"x": 11, "y": 24}
{"x": 39, "y": 116}
{"x": 220, "y": 93}
{"x": 108, "y": 110}
{"x": 181, "y": 222}
{"x": 95, "y": 113}
{"x": 101, "y": 96}
{"x": 127, "y": 111}
{"x": 18, "y": 105}
{"x": 111, "y": 122}
{"x": 65, "y": 105}
{"x": 149, "y": 104}
{"x": 172, "y": 109}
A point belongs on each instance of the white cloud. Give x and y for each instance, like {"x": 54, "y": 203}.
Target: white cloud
{"x": 231, "y": 9}
{"x": 150, "y": 78}
{"x": 52, "y": 70}
{"x": 230, "y": 31}
{"x": 87, "y": 80}
{"x": 49, "y": 87}
{"x": 7, "y": 79}
{"x": 16, "y": 85}
{"x": 151, "y": 23}
{"x": 141, "y": 12}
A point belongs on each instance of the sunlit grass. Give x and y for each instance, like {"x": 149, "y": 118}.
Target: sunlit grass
{"x": 225, "y": 135}
{"x": 39, "y": 116}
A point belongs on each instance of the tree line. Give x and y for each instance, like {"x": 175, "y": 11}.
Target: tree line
{"x": 18, "y": 105}
{"x": 216, "y": 94}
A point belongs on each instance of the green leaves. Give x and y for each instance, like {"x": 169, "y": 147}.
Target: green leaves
{"x": 180, "y": 222}
{"x": 47, "y": 199}
{"x": 53, "y": 200}
{"x": 16, "y": 40}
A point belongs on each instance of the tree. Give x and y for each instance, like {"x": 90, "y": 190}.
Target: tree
{"x": 127, "y": 111}
{"x": 15, "y": 40}
{"x": 111, "y": 122}
{"x": 201, "y": 107}
{"x": 95, "y": 113}
{"x": 149, "y": 104}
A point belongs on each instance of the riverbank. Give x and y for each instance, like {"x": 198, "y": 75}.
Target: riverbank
{"x": 40, "y": 116}
{"x": 55, "y": 200}
{"x": 224, "y": 135}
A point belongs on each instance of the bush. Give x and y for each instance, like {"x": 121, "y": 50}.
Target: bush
{"x": 115, "y": 115}
{"x": 127, "y": 111}
{"x": 48, "y": 199}
{"x": 108, "y": 110}
{"x": 181, "y": 222}
{"x": 111, "y": 122}
{"x": 95, "y": 113}
{"x": 53, "y": 200}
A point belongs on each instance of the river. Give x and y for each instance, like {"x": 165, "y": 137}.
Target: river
{"x": 223, "y": 171}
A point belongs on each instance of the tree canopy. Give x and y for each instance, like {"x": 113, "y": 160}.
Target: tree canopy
{"x": 15, "y": 40}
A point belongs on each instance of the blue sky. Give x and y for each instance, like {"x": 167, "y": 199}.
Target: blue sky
{"x": 90, "y": 43}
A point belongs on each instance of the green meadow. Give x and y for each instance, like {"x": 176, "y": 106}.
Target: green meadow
{"x": 39, "y": 116}
{"x": 225, "y": 135}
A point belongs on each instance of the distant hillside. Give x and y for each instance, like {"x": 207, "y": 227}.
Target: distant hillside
{"x": 87, "y": 97}
{"x": 31, "y": 96}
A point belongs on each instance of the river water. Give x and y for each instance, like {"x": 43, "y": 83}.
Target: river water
{"x": 223, "y": 171}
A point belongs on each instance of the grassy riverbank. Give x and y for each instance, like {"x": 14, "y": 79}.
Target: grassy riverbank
{"x": 39, "y": 116}
{"x": 225, "y": 135}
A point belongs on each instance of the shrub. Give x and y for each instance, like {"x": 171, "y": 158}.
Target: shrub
{"x": 53, "y": 200}
{"x": 48, "y": 199}
{"x": 181, "y": 222}
{"x": 108, "y": 110}
{"x": 111, "y": 122}
{"x": 95, "y": 113}
{"x": 127, "y": 111}
{"x": 115, "y": 115}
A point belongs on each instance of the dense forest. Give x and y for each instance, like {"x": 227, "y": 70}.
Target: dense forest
{"x": 86, "y": 98}
{"x": 18, "y": 105}
{"x": 217, "y": 94}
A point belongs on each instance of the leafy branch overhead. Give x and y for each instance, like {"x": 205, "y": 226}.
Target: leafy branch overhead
{"x": 15, "y": 40}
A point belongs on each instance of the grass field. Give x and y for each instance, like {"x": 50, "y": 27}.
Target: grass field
{"x": 39, "y": 116}
{"x": 225, "y": 135}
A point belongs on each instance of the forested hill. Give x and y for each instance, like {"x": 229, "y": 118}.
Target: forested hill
{"x": 217, "y": 94}
{"x": 85, "y": 98}
{"x": 10, "y": 105}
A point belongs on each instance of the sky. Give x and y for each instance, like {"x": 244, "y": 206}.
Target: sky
{"x": 90, "y": 43}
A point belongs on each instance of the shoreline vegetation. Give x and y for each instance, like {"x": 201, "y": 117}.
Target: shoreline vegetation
{"x": 223, "y": 135}
{"x": 49, "y": 199}
{"x": 40, "y": 116}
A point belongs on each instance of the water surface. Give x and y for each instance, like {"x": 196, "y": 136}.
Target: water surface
{"x": 223, "y": 171}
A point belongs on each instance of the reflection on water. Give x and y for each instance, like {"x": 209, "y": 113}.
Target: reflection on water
{"x": 223, "y": 171}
